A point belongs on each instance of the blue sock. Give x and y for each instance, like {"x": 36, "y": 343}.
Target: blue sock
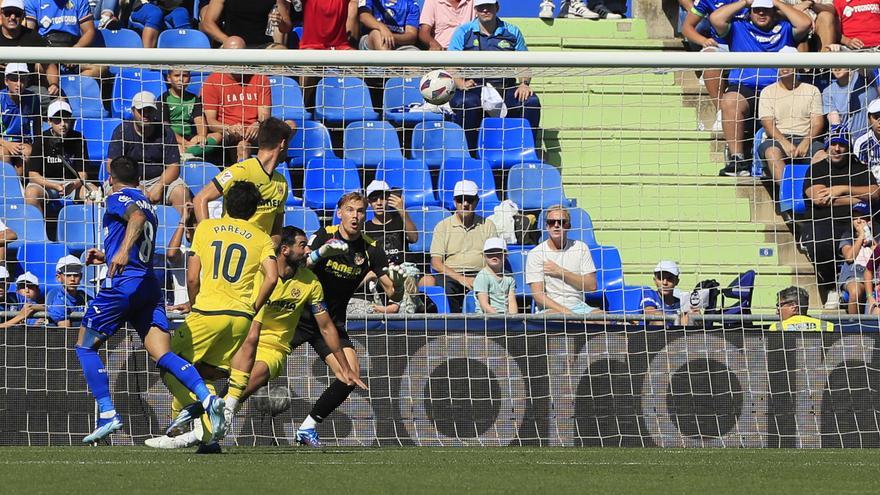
{"x": 185, "y": 373}
{"x": 96, "y": 377}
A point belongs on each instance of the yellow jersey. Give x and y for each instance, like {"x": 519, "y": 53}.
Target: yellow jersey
{"x": 802, "y": 323}
{"x": 280, "y": 316}
{"x": 273, "y": 189}
{"x": 231, "y": 252}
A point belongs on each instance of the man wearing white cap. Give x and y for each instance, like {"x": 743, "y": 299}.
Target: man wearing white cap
{"x": 13, "y": 33}
{"x": 47, "y": 176}
{"x": 19, "y": 116}
{"x": 667, "y": 299}
{"x": 69, "y": 298}
{"x": 457, "y": 246}
{"x": 867, "y": 147}
{"x": 390, "y": 226}
{"x": 145, "y": 140}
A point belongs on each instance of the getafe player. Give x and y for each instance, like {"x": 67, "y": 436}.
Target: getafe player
{"x": 131, "y": 293}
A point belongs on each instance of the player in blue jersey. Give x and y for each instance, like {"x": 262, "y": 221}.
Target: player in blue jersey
{"x": 771, "y": 26}
{"x": 131, "y": 293}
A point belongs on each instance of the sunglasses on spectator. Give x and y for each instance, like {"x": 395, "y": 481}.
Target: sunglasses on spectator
{"x": 553, "y": 222}
{"x": 12, "y": 11}
{"x": 462, "y": 199}
{"x": 377, "y": 195}
{"x": 58, "y": 120}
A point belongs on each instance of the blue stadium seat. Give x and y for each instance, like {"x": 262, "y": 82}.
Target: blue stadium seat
{"x": 183, "y": 38}
{"x": 198, "y": 174}
{"x": 287, "y": 100}
{"x": 627, "y": 299}
{"x": 26, "y": 221}
{"x": 534, "y": 186}
{"x": 312, "y": 140}
{"x": 454, "y": 170}
{"x": 328, "y": 179}
{"x": 130, "y": 82}
{"x": 168, "y": 218}
{"x": 609, "y": 278}
{"x": 302, "y": 217}
{"x": 10, "y": 185}
{"x": 791, "y": 188}
{"x": 196, "y": 79}
{"x": 435, "y": 142}
{"x": 39, "y": 258}
{"x": 399, "y": 94}
{"x": 291, "y": 199}
{"x": 79, "y": 226}
{"x": 410, "y": 176}
{"x": 117, "y": 38}
{"x": 369, "y": 143}
{"x": 425, "y": 219}
{"x": 97, "y": 134}
{"x": 438, "y": 297}
{"x": 516, "y": 260}
{"x": 341, "y": 100}
{"x": 84, "y": 96}
{"x": 507, "y": 142}
{"x": 581, "y": 226}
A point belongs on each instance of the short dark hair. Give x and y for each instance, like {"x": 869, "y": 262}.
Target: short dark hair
{"x": 797, "y": 295}
{"x": 272, "y": 132}
{"x": 289, "y": 233}
{"x": 125, "y": 170}
{"x": 242, "y": 199}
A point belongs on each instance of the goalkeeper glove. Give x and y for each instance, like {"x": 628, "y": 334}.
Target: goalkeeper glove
{"x": 329, "y": 250}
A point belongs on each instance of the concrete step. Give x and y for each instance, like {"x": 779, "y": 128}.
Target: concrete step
{"x": 567, "y": 114}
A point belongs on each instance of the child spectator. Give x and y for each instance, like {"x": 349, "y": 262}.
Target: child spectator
{"x": 69, "y": 298}
{"x": 29, "y": 300}
{"x": 182, "y": 111}
{"x": 667, "y": 299}
{"x": 391, "y": 227}
{"x": 24, "y": 312}
{"x": 495, "y": 291}
{"x": 856, "y": 252}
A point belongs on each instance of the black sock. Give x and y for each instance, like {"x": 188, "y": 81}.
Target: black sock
{"x": 332, "y": 398}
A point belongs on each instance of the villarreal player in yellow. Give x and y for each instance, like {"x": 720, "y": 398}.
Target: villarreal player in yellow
{"x": 228, "y": 254}
{"x": 272, "y": 139}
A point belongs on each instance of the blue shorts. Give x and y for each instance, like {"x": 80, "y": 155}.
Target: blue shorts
{"x": 137, "y": 301}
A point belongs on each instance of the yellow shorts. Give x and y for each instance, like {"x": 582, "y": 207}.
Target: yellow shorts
{"x": 210, "y": 339}
{"x": 274, "y": 358}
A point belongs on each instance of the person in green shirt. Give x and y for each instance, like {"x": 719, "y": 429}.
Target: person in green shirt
{"x": 182, "y": 110}
{"x": 495, "y": 291}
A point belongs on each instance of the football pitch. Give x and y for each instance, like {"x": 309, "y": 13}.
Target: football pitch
{"x": 251, "y": 471}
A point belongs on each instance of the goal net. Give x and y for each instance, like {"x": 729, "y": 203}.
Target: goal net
{"x": 668, "y": 171}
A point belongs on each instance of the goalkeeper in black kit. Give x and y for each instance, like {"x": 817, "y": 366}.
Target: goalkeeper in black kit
{"x": 341, "y": 256}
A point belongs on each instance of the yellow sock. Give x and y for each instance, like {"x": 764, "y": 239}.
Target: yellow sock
{"x": 238, "y": 381}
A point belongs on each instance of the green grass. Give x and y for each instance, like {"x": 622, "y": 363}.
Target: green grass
{"x": 253, "y": 471}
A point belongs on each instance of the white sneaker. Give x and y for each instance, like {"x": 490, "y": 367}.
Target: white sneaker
{"x": 578, "y": 10}
{"x": 188, "y": 439}
{"x": 613, "y": 16}
{"x": 547, "y": 9}
{"x": 716, "y": 126}
{"x": 833, "y": 300}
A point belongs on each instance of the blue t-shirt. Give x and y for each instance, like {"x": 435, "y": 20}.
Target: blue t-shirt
{"x": 140, "y": 258}
{"x": 18, "y": 122}
{"x": 851, "y": 102}
{"x": 744, "y": 36}
{"x": 653, "y": 299}
{"x": 21, "y": 302}
{"x": 395, "y": 14}
{"x": 60, "y": 303}
{"x": 506, "y": 38}
{"x": 58, "y": 15}
{"x": 704, "y": 9}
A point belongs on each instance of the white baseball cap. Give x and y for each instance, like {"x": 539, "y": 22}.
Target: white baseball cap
{"x": 15, "y": 67}
{"x": 494, "y": 244}
{"x": 59, "y": 106}
{"x": 668, "y": 267}
{"x": 874, "y": 106}
{"x": 465, "y": 188}
{"x": 762, "y": 4}
{"x": 68, "y": 265}
{"x": 377, "y": 186}
{"x": 19, "y": 4}
{"x": 143, "y": 100}
{"x": 484, "y": 2}
{"x": 27, "y": 278}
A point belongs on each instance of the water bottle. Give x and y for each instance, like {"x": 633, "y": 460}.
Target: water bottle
{"x": 270, "y": 26}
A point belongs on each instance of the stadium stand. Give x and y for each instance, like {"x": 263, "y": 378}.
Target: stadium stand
{"x": 399, "y": 97}
{"x": 312, "y": 140}
{"x": 368, "y": 144}
{"x": 117, "y": 38}
{"x": 343, "y": 100}
{"x": 130, "y": 82}
{"x": 410, "y": 176}
{"x": 287, "y": 100}
{"x": 303, "y": 217}
{"x": 84, "y": 96}
{"x": 455, "y": 169}
{"x": 198, "y": 174}
{"x": 183, "y": 38}
{"x": 327, "y": 179}
{"x": 507, "y": 142}
{"x": 435, "y": 142}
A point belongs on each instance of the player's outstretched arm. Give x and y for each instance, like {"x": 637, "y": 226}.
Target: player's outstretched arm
{"x": 270, "y": 270}
{"x": 134, "y": 229}
{"x": 331, "y": 338}
{"x": 200, "y": 203}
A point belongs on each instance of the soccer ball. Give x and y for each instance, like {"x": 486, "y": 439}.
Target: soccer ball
{"x": 437, "y": 87}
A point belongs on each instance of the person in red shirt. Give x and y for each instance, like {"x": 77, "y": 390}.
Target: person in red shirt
{"x": 329, "y": 24}
{"x": 859, "y": 23}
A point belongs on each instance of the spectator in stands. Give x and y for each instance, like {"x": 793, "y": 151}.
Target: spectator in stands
{"x": 832, "y": 186}
{"x": 30, "y": 299}
{"x": 667, "y": 299}
{"x": 771, "y": 26}
{"x": 489, "y": 33}
{"x": 69, "y": 298}
{"x": 845, "y": 100}
{"x": 329, "y": 24}
{"x": 19, "y": 117}
{"x": 146, "y": 141}
{"x": 495, "y": 291}
{"x": 792, "y": 117}
{"x": 182, "y": 111}
{"x": 151, "y": 17}
{"x": 457, "y": 246}
{"x": 14, "y": 33}
{"x": 7, "y": 235}
{"x": 249, "y": 21}
{"x": 234, "y": 105}
{"x": 856, "y": 251}
{"x": 47, "y": 176}
{"x": 560, "y": 270}
{"x": 390, "y": 226}
{"x": 439, "y": 20}
{"x": 390, "y": 24}
{"x": 62, "y": 23}
{"x": 867, "y": 147}
{"x": 792, "y": 304}
{"x": 859, "y": 22}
